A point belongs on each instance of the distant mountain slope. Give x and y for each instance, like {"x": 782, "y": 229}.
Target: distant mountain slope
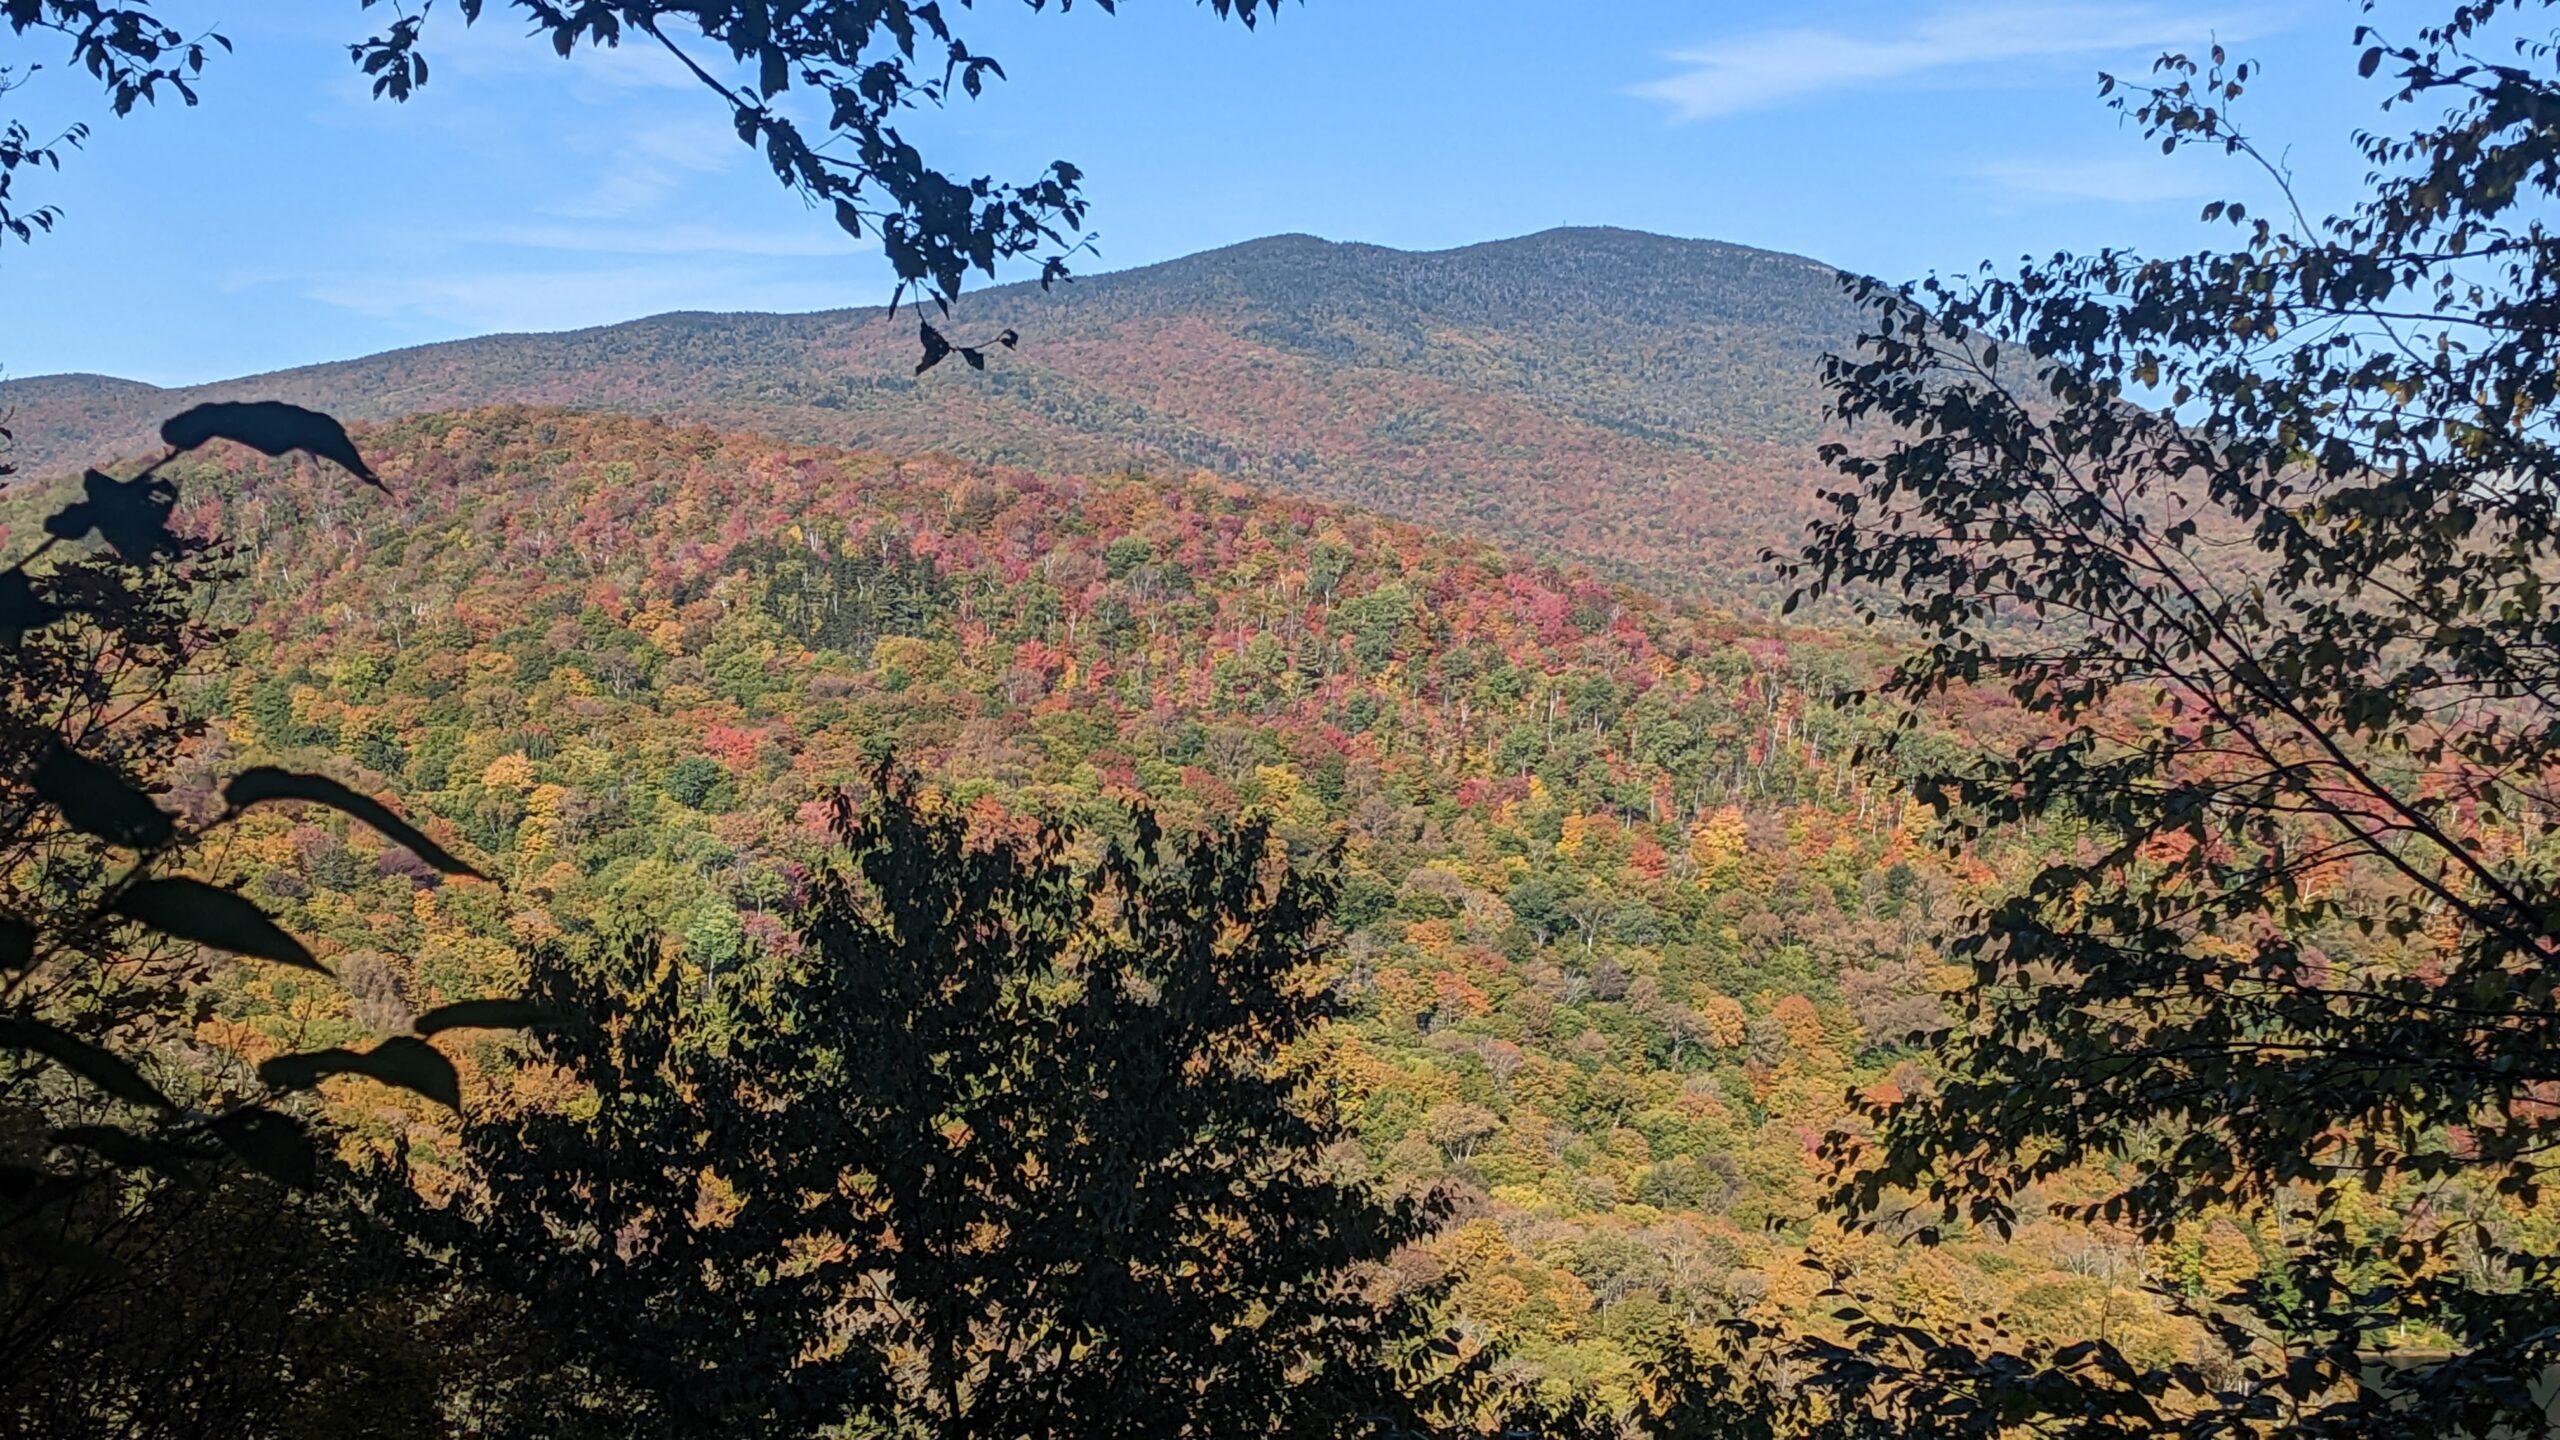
{"x": 1640, "y": 402}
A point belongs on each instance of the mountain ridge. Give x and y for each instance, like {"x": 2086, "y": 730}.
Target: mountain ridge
{"x": 1645, "y": 403}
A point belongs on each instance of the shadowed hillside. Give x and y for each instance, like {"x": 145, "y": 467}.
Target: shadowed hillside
{"x": 1639, "y": 402}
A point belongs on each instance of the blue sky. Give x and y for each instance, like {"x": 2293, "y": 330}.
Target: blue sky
{"x": 291, "y": 219}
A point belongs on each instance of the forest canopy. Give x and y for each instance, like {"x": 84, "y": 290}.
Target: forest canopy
{"x": 516, "y": 922}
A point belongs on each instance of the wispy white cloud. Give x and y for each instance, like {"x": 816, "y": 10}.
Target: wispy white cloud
{"x": 636, "y": 206}
{"x": 468, "y": 300}
{"x": 2114, "y": 179}
{"x": 652, "y": 165}
{"x": 1749, "y": 72}
{"x": 795, "y": 236}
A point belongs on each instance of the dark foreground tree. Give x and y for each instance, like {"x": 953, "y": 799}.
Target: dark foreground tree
{"x": 216, "y": 1304}
{"x": 666, "y": 1218}
{"x": 2267, "y": 536}
{"x": 1016, "y": 1144}
{"x": 159, "y": 1273}
{"x": 1087, "y": 1162}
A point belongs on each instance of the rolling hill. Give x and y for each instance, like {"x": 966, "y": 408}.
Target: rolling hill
{"x": 1640, "y": 403}
{"x": 1620, "y": 921}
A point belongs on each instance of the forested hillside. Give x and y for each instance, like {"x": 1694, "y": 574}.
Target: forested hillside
{"x": 1621, "y": 922}
{"x": 1637, "y": 403}
{"x": 1307, "y": 841}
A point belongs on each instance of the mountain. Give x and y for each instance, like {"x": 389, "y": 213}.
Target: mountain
{"x": 1621, "y": 919}
{"x": 1636, "y": 402}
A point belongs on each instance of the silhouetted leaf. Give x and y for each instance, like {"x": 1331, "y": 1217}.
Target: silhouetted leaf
{"x": 100, "y": 1067}
{"x": 273, "y": 1145}
{"x": 266, "y": 783}
{"x": 192, "y": 910}
{"x": 935, "y": 347}
{"x": 403, "y": 1060}
{"x": 484, "y": 1015}
{"x": 132, "y": 516}
{"x": 270, "y": 427}
{"x": 17, "y": 944}
{"x": 123, "y": 1147}
{"x": 98, "y": 801}
{"x": 1009, "y": 339}
{"x": 977, "y": 358}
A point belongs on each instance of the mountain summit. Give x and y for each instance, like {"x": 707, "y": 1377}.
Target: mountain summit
{"x": 1639, "y": 402}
